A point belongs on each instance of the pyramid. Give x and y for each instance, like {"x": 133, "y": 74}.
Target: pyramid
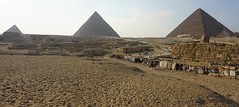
{"x": 13, "y": 34}
{"x": 14, "y": 29}
{"x": 200, "y": 24}
{"x": 96, "y": 26}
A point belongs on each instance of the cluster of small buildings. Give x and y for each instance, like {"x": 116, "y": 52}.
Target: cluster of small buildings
{"x": 180, "y": 65}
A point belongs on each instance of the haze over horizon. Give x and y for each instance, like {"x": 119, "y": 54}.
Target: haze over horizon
{"x": 129, "y": 18}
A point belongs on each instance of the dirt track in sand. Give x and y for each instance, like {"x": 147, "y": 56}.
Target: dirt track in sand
{"x": 73, "y": 81}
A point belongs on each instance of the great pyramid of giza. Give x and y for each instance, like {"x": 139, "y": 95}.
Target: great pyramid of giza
{"x": 96, "y": 26}
{"x": 200, "y": 24}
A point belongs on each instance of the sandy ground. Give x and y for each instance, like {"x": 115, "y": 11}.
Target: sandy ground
{"x": 71, "y": 81}
{"x": 226, "y": 86}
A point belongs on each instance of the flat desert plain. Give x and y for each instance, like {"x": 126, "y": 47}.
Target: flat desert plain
{"x": 46, "y": 81}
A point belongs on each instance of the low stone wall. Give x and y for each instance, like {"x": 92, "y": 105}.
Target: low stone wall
{"x": 207, "y": 52}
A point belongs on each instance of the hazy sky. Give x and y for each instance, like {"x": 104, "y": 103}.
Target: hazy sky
{"x": 129, "y": 18}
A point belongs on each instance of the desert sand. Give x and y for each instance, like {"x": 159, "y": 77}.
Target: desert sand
{"x": 44, "y": 81}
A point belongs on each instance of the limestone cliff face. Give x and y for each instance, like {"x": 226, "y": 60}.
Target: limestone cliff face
{"x": 200, "y": 24}
{"x": 96, "y": 26}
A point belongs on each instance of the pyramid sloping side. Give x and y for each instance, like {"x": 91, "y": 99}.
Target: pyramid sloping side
{"x": 96, "y": 26}
{"x": 14, "y": 29}
{"x": 192, "y": 25}
{"x": 214, "y": 28}
{"x": 199, "y": 24}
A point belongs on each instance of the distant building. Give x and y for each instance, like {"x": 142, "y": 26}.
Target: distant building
{"x": 184, "y": 36}
{"x": 236, "y": 34}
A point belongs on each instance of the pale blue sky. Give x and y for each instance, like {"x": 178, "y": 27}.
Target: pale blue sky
{"x": 129, "y": 18}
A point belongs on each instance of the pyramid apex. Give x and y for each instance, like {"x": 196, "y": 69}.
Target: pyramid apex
{"x": 14, "y": 26}
{"x": 199, "y": 9}
{"x": 96, "y": 12}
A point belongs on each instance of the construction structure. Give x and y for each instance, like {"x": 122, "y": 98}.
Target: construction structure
{"x": 200, "y": 23}
{"x": 96, "y": 26}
